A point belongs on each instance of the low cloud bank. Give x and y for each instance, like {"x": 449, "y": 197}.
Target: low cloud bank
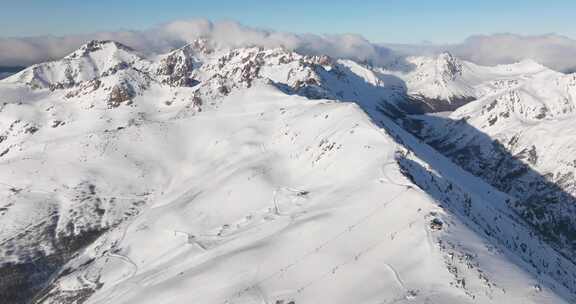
{"x": 26, "y": 51}
{"x": 555, "y": 51}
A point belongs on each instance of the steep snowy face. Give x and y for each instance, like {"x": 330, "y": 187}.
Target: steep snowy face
{"x": 439, "y": 78}
{"x": 521, "y": 141}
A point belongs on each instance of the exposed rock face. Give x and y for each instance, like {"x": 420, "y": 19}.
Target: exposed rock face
{"x": 120, "y": 94}
{"x": 84, "y": 88}
{"x": 421, "y": 104}
{"x": 450, "y": 67}
{"x": 176, "y": 68}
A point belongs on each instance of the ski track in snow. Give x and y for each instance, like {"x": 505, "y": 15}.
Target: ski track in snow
{"x": 396, "y": 276}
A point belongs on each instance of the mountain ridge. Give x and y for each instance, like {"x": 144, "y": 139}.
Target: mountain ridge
{"x": 192, "y": 168}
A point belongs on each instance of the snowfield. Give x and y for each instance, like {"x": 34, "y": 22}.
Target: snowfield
{"x": 202, "y": 177}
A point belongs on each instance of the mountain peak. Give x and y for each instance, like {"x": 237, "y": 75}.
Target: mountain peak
{"x": 92, "y": 60}
{"x": 201, "y": 45}
{"x": 98, "y": 45}
{"x": 446, "y": 55}
{"x": 449, "y": 65}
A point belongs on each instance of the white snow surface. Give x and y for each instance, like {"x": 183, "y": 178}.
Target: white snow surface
{"x": 448, "y": 78}
{"x": 274, "y": 197}
{"x": 257, "y": 196}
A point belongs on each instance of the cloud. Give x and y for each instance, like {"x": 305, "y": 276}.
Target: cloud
{"x": 26, "y": 51}
{"x": 30, "y": 50}
{"x": 233, "y": 34}
{"x": 555, "y": 51}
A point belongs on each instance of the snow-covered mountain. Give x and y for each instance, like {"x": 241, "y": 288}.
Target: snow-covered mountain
{"x": 521, "y": 141}
{"x": 445, "y": 83}
{"x": 92, "y": 61}
{"x": 258, "y": 176}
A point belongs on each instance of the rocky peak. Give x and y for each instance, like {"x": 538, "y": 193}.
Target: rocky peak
{"x": 448, "y": 66}
{"x": 176, "y": 67}
{"x": 201, "y": 46}
{"x": 322, "y": 60}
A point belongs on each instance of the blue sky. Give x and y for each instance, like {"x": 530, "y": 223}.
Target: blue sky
{"x": 402, "y": 21}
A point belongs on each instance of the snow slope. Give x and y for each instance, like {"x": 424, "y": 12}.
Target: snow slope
{"x": 243, "y": 176}
{"x": 260, "y": 211}
{"x": 521, "y": 141}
